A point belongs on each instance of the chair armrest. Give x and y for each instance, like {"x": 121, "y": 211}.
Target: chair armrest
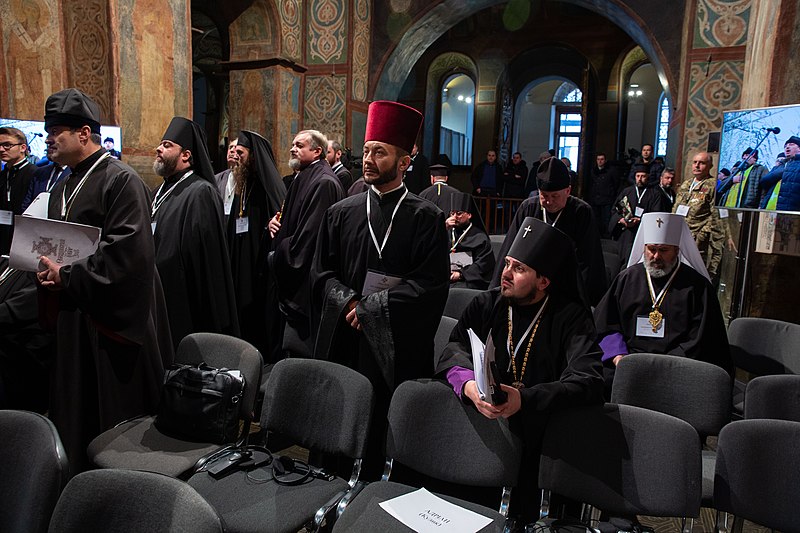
{"x": 352, "y": 493}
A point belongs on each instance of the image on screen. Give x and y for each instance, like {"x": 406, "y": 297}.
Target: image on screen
{"x": 766, "y": 130}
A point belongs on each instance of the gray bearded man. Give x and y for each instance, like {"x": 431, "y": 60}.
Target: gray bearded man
{"x": 663, "y": 302}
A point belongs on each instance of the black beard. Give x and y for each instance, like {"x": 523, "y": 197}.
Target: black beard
{"x": 383, "y": 177}
{"x": 240, "y": 174}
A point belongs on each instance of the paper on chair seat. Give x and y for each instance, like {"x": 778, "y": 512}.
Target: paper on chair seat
{"x": 62, "y": 242}
{"x": 425, "y": 512}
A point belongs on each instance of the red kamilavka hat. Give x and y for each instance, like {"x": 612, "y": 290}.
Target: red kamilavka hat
{"x": 393, "y": 123}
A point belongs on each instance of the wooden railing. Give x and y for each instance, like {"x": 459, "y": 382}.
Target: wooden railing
{"x": 497, "y": 212}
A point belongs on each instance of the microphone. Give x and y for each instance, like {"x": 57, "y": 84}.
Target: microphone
{"x": 776, "y": 130}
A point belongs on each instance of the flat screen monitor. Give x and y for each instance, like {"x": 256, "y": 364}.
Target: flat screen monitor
{"x": 34, "y": 131}
{"x": 766, "y": 129}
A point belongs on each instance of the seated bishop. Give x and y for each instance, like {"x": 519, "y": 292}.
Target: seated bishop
{"x": 471, "y": 255}
{"x": 543, "y": 336}
{"x": 663, "y": 302}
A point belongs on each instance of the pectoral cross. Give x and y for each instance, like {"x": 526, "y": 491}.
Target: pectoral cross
{"x": 659, "y": 222}
{"x": 527, "y": 230}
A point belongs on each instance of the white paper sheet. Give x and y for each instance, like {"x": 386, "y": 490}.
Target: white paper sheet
{"x": 62, "y": 242}
{"x": 38, "y": 207}
{"x": 479, "y": 364}
{"x": 425, "y": 513}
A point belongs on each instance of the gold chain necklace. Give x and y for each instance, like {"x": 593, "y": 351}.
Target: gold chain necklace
{"x": 656, "y": 317}
{"x": 517, "y": 383}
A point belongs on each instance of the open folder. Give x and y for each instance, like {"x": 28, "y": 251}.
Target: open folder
{"x": 62, "y": 242}
{"x": 487, "y": 377}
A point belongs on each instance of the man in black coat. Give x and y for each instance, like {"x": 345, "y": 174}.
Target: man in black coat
{"x": 294, "y": 238}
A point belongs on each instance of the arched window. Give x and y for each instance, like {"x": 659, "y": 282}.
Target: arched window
{"x": 567, "y": 110}
{"x": 458, "y": 119}
{"x": 663, "y": 125}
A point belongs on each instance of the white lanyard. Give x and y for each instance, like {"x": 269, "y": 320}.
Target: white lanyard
{"x": 657, "y": 299}
{"x": 640, "y": 196}
{"x": 6, "y": 273}
{"x": 65, "y": 203}
{"x": 51, "y": 182}
{"x": 668, "y": 195}
{"x": 527, "y": 331}
{"x": 544, "y": 217}
{"x": 693, "y": 186}
{"x": 388, "y": 230}
{"x": 457, "y": 242}
{"x": 158, "y": 201}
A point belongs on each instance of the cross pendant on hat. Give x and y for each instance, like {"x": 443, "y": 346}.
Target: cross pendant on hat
{"x": 527, "y": 230}
{"x": 659, "y": 222}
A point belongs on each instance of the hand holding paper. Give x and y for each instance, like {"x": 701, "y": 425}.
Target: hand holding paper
{"x": 50, "y": 278}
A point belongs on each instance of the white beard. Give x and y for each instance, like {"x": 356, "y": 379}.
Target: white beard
{"x": 661, "y": 272}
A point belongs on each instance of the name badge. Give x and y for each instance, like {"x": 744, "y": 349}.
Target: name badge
{"x": 723, "y": 213}
{"x": 242, "y": 225}
{"x": 739, "y": 216}
{"x": 6, "y": 217}
{"x": 228, "y": 205}
{"x": 378, "y": 281}
{"x": 682, "y": 210}
{"x": 645, "y": 329}
{"x": 639, "y": 212}
{"x": 153, "y": 227}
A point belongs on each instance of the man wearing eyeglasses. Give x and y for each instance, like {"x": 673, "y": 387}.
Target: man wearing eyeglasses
{"x": 14, "y": 180}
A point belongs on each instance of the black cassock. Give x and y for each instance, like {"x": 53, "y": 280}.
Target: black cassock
{"x": 248, "y": 254}
{"x": 625, "y": 206}
{"x": 112, "y": 334}
{"x": 693, "y": 323}
{"x": 192, "y": 258}
{"x": 14, "y": 183}
{"x": 26, "y": 350}
{"x": 312, "y": 192}
{"x": 577, "y": 221}
{"x": 399, "y": 324}
{"x": 477, "y": 244}
{"x": 439, "y": 194}
{"x": 563, "y": 368}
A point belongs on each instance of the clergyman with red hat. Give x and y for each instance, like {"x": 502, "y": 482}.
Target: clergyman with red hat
{"x": 381, "y": 271}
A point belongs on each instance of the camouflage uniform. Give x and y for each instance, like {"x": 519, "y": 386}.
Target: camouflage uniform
{"x": 703, "y": 220}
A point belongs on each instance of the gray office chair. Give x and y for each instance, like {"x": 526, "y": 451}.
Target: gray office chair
{"x": 446, "y": 325}
{"x": 432, "y": 432}
{"x": 624, "y": 460}
{"x": 756, "y": 476}
{"x": 762, "y": 346}
{"x": 694, "y": 391}
{"x": 458, "y": 298}
{"x": 322, "y": 406}
{"x": 775, "y": 397}
{"x": 126, "y": 501}
{"x": 33, "y": 471}
{"x": 138, "y": 445}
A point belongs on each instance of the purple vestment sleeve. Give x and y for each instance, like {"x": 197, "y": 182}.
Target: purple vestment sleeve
{"x": 613, "y": 345}
{"x": 457, "y": 376}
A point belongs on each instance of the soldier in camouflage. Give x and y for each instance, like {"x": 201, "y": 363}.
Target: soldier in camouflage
{"x": 695, "y": 201}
